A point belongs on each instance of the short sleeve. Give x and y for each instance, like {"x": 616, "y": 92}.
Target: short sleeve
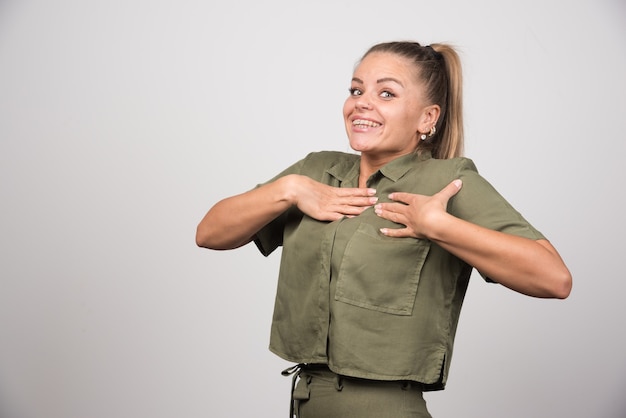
{"x": 270, "y": 237}
{"x": 480, "y": 203}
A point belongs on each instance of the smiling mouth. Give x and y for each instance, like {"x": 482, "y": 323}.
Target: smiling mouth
{"x": 362, "y": 123}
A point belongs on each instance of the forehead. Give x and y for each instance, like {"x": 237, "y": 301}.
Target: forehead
{"x": 384, "y": 65}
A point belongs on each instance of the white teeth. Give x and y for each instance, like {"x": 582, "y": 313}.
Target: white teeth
{"x": 363, "y": 122}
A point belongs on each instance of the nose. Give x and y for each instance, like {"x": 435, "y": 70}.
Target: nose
{"x": 363, "y": 103}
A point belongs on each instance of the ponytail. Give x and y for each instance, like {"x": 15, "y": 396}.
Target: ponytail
{"x": 451, "y": 139}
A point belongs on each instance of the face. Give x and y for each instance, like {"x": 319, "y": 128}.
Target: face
{"x": 386, "y": 112}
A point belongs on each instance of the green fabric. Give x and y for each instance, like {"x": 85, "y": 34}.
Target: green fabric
{"x": 368, "y": 305}
{"x": 323, "y": 394}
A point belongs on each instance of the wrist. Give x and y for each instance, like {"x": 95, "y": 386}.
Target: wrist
{"x": 288, "y": 189}
{"x": 438, "y": 226}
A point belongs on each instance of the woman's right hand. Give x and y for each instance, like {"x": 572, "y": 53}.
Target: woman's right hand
{"x": 328, "y": 203}
{"x": 233, "y": 222}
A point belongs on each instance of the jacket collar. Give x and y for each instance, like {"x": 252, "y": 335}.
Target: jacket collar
{"x": 347, "y": 171}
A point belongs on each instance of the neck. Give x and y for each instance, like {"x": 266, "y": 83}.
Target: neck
{"x": 371, "y": 164}
{"x": 367, "y": 168}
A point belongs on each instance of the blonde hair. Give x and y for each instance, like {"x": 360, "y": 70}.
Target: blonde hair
{"x": 439, "y": 68}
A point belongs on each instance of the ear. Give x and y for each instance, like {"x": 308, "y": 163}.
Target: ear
{"x": 429, "y": 118}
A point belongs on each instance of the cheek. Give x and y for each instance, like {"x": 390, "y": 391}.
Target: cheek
{"x": 347, "y": 108}
{"x": 412, "y": 121}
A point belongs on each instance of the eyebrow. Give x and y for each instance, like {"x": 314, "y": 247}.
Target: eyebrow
{"x": 380, "y": 80}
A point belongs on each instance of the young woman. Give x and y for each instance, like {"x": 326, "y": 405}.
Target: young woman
{"x": 378, "y": 246}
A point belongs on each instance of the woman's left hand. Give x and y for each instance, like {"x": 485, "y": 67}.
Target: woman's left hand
{"x": 531, "y": 267}
{"x": 416, "y": 212}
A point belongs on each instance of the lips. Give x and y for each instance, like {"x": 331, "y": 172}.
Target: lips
{"x": 364, "y": 123}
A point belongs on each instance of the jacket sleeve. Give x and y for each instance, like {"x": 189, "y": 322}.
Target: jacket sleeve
{"x": 270, "y": 237}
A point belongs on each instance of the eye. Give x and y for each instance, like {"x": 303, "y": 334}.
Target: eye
{"x": 355, "y": 91}
{"x": 386, "y": 94}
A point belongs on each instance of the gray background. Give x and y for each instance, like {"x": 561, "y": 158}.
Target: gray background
{"x": 121, "y": 122}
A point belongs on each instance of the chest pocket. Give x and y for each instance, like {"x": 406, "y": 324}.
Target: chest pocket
{"x": 381, "y": 273}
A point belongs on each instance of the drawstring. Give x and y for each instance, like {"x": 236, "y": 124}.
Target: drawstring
{"x": 302, "y": 391}
{"x": 295, "y": 371}
{"x": 338, "y": 383}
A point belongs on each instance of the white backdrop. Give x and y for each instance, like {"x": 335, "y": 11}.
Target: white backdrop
{"x": 121, "y": 122}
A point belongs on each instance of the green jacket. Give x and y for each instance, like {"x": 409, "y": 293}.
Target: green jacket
{"x": 368, "y": 305}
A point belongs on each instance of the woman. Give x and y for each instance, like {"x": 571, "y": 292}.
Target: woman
{"x": 378, "y": 247}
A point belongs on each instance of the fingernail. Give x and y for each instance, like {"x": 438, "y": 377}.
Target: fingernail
{"x": 384, "y": 231}
{"x": 371, "y": 192}
{"x": 458, "y": 183}
{"x": 373, "y": 200}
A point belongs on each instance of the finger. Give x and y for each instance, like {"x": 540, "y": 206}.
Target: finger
{"x": 386, "y": 211}
{"x": 451, "y": 189}
{"x": 351, "y": 210}
{"x": 329, "y": 216}
{"x": 447, "y": 192}
{"x": 359, "y": 201}
{"x": 388, "y": 208}
{"x": 401, "y": 197}
{"x": 355, "y": 192}
{"x": 396, "y": 233}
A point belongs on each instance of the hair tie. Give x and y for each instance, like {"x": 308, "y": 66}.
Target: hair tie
{"x": 435, "y": 54}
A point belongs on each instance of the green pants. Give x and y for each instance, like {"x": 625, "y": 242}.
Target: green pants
{"x": 321, "y": 393}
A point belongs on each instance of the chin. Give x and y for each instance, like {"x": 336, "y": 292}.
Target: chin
{"x": 359, "y": 146}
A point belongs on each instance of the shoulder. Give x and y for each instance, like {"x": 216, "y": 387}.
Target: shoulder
{"x": 452, "y": 165}
{"x": 440, "y": 172}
